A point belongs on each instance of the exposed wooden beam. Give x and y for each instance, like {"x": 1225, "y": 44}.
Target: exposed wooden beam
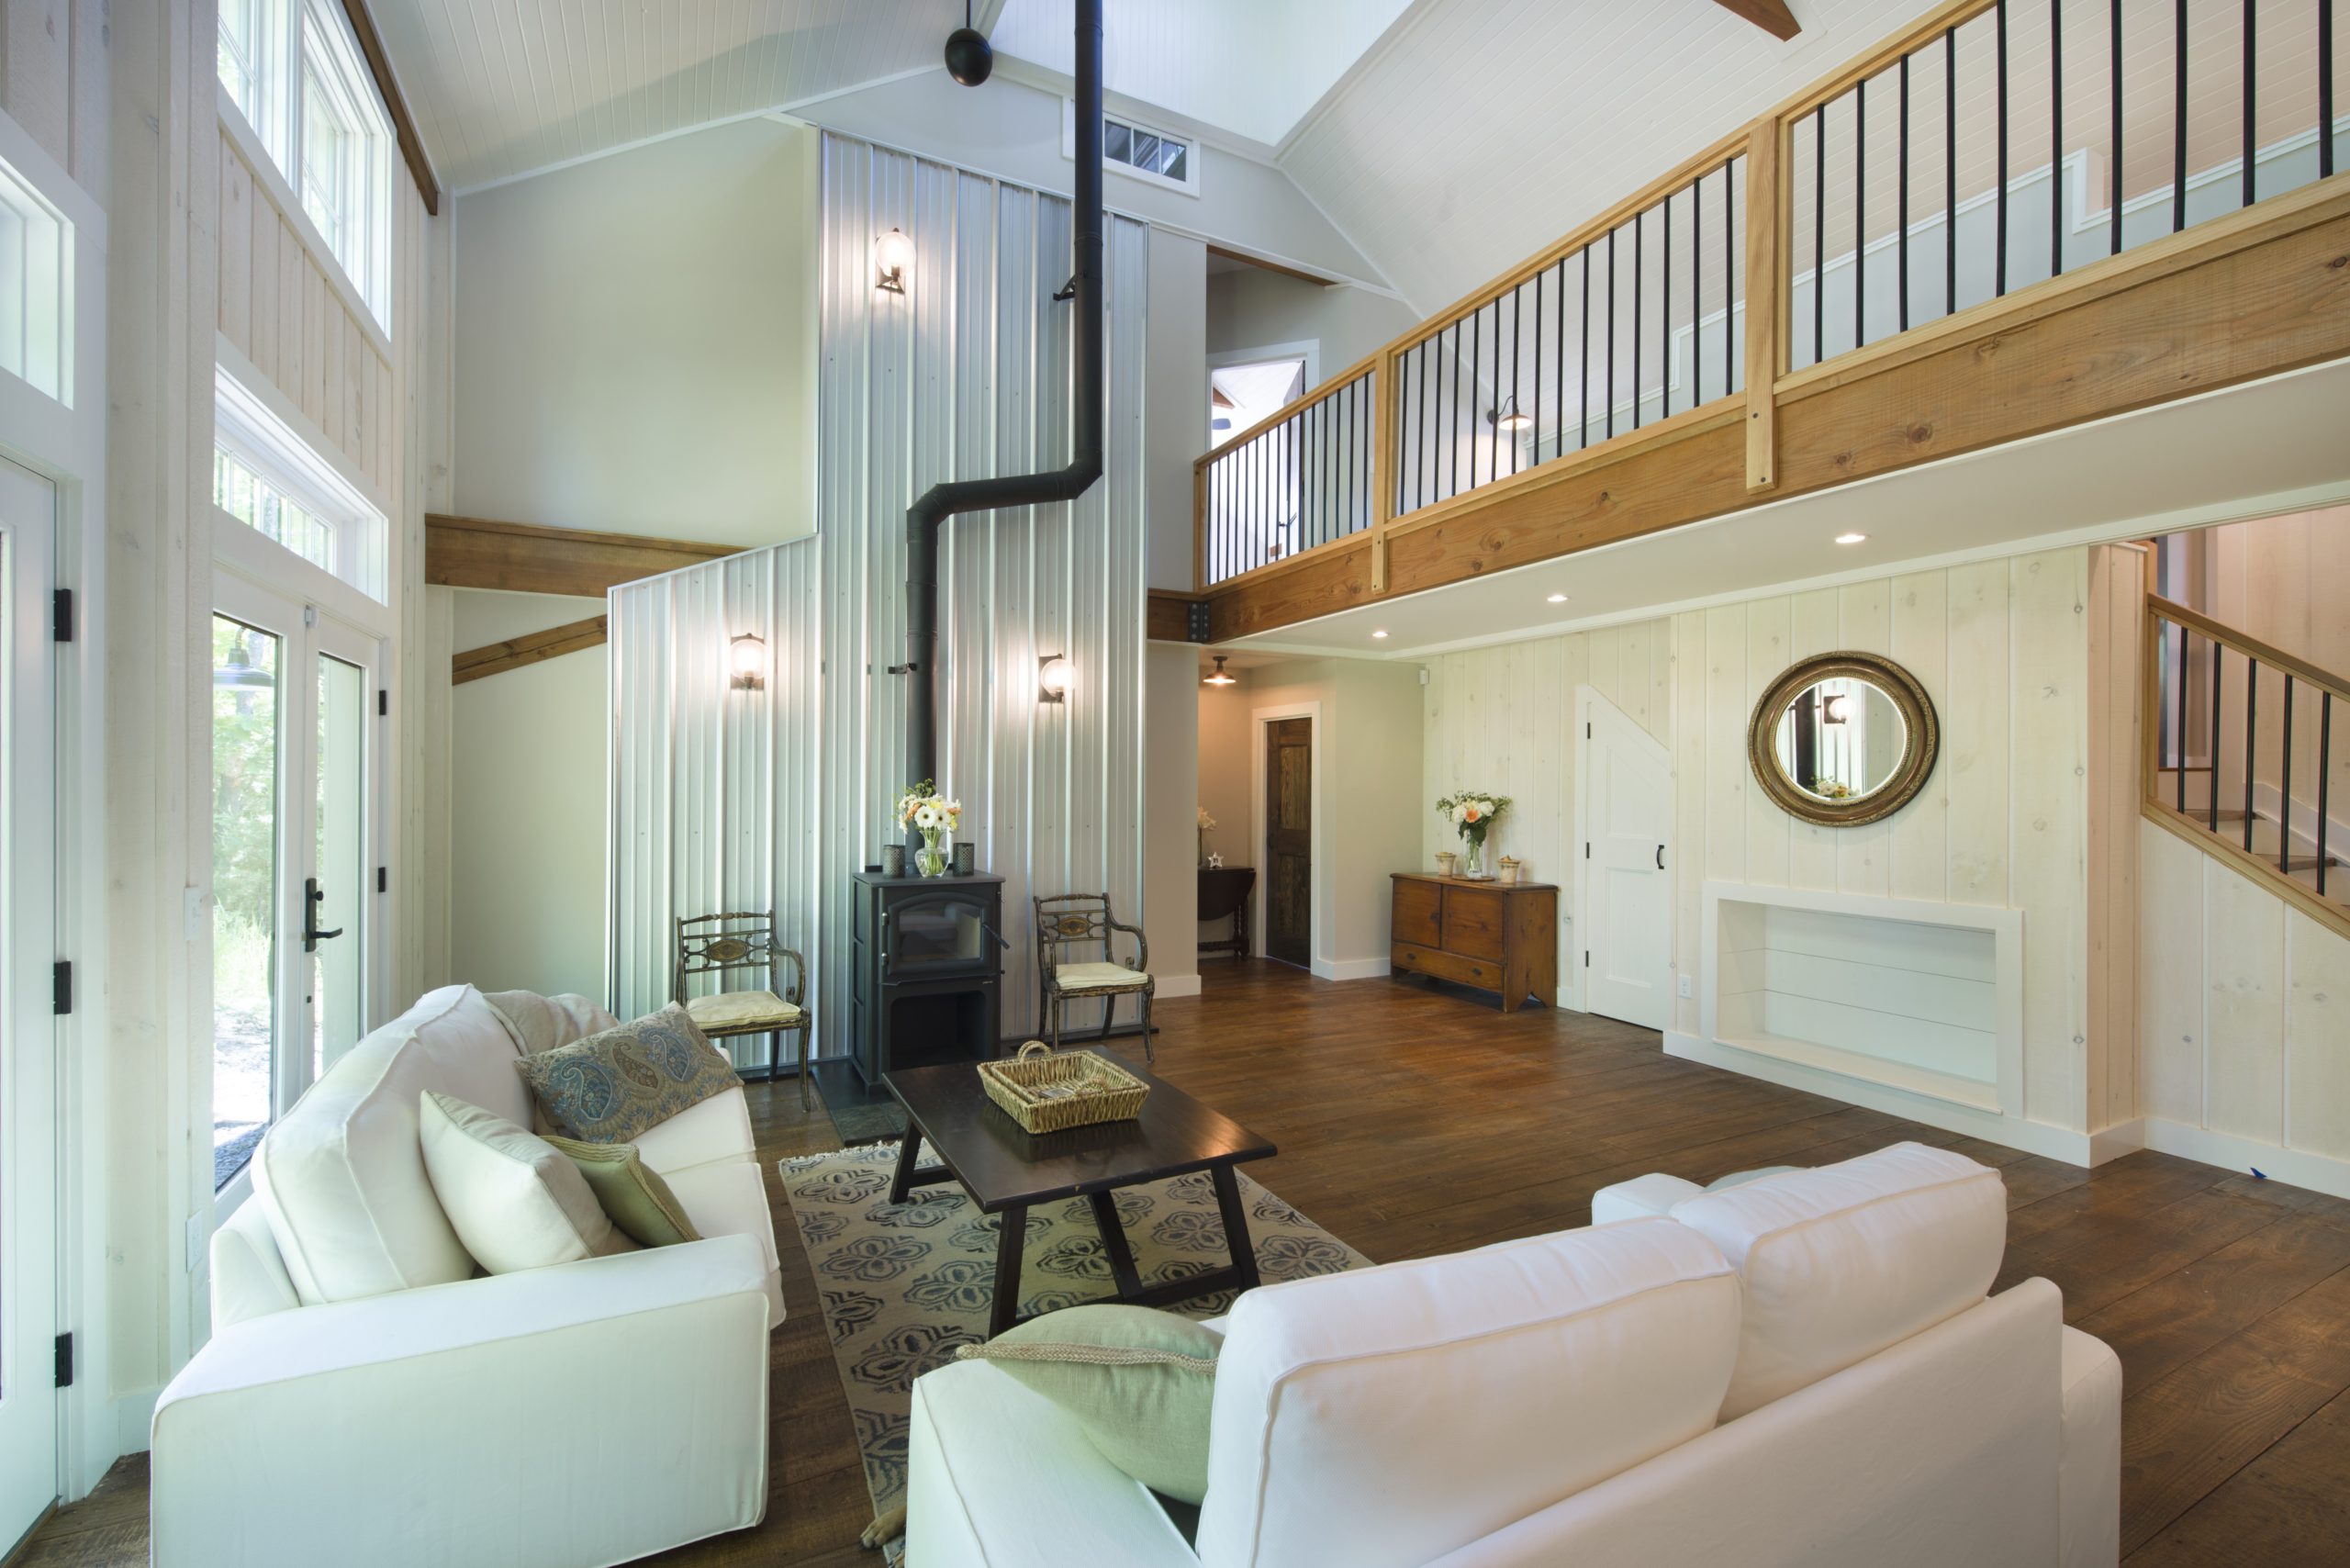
{"x": 1772, "y": 16}
{"x": 515, "y": 557}
{"x": 534, "y": 648}
{"x": 371, "y": 44}
{"x": 1167, "y": 615}
{"x": 1286, "y": 271}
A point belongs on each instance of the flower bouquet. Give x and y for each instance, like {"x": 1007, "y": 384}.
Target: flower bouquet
{"x": 1206, "y": 822}
{"x": 1472, "y": 815}
{"x": 935, "y": 817}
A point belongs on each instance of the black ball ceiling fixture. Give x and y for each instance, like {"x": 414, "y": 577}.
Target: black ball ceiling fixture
{"x": 970, "y": 57}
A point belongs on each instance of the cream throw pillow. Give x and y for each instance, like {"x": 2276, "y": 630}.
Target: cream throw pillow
{"x": 513, "y": 1199}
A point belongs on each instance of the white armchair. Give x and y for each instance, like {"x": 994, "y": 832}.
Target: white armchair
{"x": 365, "y": 1400}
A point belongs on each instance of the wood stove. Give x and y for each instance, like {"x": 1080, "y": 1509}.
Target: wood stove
{"x": 927, "y": 970}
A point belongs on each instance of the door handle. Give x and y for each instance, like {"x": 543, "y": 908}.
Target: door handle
{"x": 1659, "y": 857}
{"x": 311, "y": 899}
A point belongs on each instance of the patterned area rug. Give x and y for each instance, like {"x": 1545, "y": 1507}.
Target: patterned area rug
{"x": 901, "y": 1285}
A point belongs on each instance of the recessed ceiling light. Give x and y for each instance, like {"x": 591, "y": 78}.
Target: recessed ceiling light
{"x": 1851, "y": 538}
{"x": 1558, "y": 599}
{"x": 1379, "y": 633}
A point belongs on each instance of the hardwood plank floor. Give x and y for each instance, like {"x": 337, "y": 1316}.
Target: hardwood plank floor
{"x": 1413, "y": 1121}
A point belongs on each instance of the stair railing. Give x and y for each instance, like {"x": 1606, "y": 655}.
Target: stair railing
{"x": 2266, "y": 718}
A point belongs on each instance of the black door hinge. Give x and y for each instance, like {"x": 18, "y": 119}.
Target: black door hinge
{"x": 1587, "y": 957}
{"x": 383, "y": 880}
{"x": 1586, "y": 732}
{"x": 62, "y": 628}
{"x": 65, "y": 1360}
{"x": 382, "y": 702}
{"x": 60, "y": 984}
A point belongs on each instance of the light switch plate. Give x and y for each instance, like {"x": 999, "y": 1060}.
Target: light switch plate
{"x": 1688, "y": 988}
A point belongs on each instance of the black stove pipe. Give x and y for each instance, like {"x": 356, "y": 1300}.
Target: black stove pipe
{"x": 927, "y": 516}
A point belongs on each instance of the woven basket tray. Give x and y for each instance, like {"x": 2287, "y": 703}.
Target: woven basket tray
{"x": 1048, "y": 1094}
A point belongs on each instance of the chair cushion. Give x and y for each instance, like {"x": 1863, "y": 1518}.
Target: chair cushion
{"x": 741, "y": 1009}
{"x": 1841, "y": 1261}
{"x": 341, "y": 1175}
{"x": 1097, "y": 977}
{"x": 610, "y": 1087}
{"x": 517, "y": 1201}
{"x": 1386, "y": 1416}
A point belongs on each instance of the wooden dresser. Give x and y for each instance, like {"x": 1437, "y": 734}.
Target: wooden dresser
{"x": 1504, "y": 938}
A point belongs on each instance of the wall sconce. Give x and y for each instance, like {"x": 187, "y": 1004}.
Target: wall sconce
{"x": 893, "y": 256}
{"x": 1836, "y": 708}
{"x": 1052, "y": 677}
{"x": 1508, "y": 417}
{"x": 1219, "y": 678}
{"x": 747, "y": 663}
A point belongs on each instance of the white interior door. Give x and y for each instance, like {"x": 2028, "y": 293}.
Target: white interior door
{"x": 1625, "y": 808}
{"x": 28, "y": 1018}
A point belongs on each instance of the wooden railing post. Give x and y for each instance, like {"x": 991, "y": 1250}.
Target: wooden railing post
{"x": 1383, "y": 465}
{"x": 1766, "y": 289}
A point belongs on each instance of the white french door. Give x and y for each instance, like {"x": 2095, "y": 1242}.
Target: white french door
{"x": 294, "y": 837}
{"x": 1624, "y": 809}
{"x": 28, "y": 1187}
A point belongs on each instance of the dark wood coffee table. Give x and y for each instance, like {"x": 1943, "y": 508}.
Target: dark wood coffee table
{"x": 1007, "y": 1169}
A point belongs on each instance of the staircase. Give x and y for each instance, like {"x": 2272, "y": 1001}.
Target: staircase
{"x": 2242, "y": 759}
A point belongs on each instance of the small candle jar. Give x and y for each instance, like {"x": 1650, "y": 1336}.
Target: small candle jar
{"x": 1448, "y": 864}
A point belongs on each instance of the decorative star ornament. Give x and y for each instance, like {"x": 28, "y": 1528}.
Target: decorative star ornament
{"x": 1216, "y": 862}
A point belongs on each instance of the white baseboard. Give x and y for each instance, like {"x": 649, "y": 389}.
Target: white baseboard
{"x": 1170, "y": 986}
{"x": 1992, "y": 1126}
{"x": 134, "y": 1416}
{"x": 2295, "y": 1167}
{"x": 1350, "y": 969}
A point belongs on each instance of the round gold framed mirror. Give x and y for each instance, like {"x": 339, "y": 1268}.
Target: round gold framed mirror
{"x": 1842, "y": 739}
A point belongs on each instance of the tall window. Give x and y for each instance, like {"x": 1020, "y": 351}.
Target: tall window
{"x": 245, "y": 788}
{"x": 293, "y": 69}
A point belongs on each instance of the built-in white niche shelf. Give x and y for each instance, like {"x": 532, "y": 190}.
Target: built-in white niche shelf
{"x": 1925, "y": 998}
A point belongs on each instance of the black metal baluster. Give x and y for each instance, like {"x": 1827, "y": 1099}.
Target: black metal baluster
{"x": 1818, "y": 233}
{"x": 1582, "y": 365}
{"x": 1950, "y": 171}
{"x": 2113, "y": 175}
{"x": 1697, "y": 293}
{"x": 1476, "y": 381}
{"x": 2180, "y": 728}
{"x": 2324, "y": 774}
{"x": 2056, "y": 140}
{"x": 1860, "y": 206}
{"x": 2324, "y": 110}
{"x": 1517, "y": 323}
{"x": 1664, "y": 358}
{"x": 2251, "y": 164}
{"x": 2250, "y": 738}
{"x": 2216, "y": 670}
{"x": 1639, "y": 270}
{"x": 1452, "y": 415}
{"x": 1730, "y": 277}
{"x": 1421, "y": 438}
{"x": 1611, "y": 426}
{"x": 1559, "y": 361}
{"x": 1538, "y": 370}
{"x": 1999, "y": 260}
{"x": 2178, "y": 121}
{"x": 2285, "y": 787}
{"x": 1902, "y": 214}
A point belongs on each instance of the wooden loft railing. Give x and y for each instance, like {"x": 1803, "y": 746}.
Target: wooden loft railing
{"x": 2241, "y": 758}
{"x": 1919, "y": 228}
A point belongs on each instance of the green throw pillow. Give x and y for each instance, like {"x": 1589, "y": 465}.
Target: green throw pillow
{"x": 630, "y": 1192}
{"x": 611, "y": 1087}
{"x": 1140, "y": 1381}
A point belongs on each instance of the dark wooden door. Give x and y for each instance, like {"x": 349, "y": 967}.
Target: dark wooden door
{"x": 1289, "y": 840}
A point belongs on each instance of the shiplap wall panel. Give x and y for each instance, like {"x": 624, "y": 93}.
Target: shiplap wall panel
{"x": 2170, "y": 985}
{"x": 2049, "y": 851}
{"x": 2243, "y": 990}
{"x": 53, "y": 64}
{"x": 277, "y": 305}
{"x": 964, "y": 376}
{"x": 2117, "y": 601}
{"x": 2317, "y": 1026}
{"x": 1920, "y": 833}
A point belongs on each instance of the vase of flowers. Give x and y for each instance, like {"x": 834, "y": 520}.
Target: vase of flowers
{"x": 1206, "y": 822}
{"x": 929, "y": 813}
{"x": 1472, "y": 815}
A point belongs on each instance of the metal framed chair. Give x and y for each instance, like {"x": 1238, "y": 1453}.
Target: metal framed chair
{"x": 730, "y": 944}
{"x": 1081, "y": 921}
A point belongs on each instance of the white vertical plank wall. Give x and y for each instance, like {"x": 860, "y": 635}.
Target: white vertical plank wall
{"x": 964, "y": 376}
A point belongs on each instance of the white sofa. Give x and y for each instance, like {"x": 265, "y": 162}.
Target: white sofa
{"x": 1804, "y": 1370}
{"x": 366, "y": 1399}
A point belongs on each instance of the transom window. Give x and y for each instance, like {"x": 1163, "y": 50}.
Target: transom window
{"x": 293, "y": 69}
{"x": 1143, "y": 151}
{"x": 267, "y": 477}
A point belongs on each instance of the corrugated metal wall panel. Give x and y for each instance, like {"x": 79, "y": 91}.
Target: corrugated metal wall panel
{"x": 720, "y": 801}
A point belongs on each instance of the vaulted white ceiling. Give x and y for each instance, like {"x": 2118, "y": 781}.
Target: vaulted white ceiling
{"x": 1251, "y": 67}
{"x": 504, "y": 87}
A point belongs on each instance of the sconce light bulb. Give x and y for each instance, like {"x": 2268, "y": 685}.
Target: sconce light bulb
{"x": 1052, "y": 677}
{"x": 746, "y": 660}
{"x": 893, "y": 258}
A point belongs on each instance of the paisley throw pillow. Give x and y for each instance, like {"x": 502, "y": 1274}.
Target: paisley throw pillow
{"x": 610, "y": 1087}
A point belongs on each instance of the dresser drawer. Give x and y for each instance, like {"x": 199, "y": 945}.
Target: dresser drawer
{"x": 1455, "y": 967}
{"x": 1473, "y": 921}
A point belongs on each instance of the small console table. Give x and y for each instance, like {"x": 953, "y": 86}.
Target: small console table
{"x": 1224, "y": 890}
{"x": 1502, "y": 936}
